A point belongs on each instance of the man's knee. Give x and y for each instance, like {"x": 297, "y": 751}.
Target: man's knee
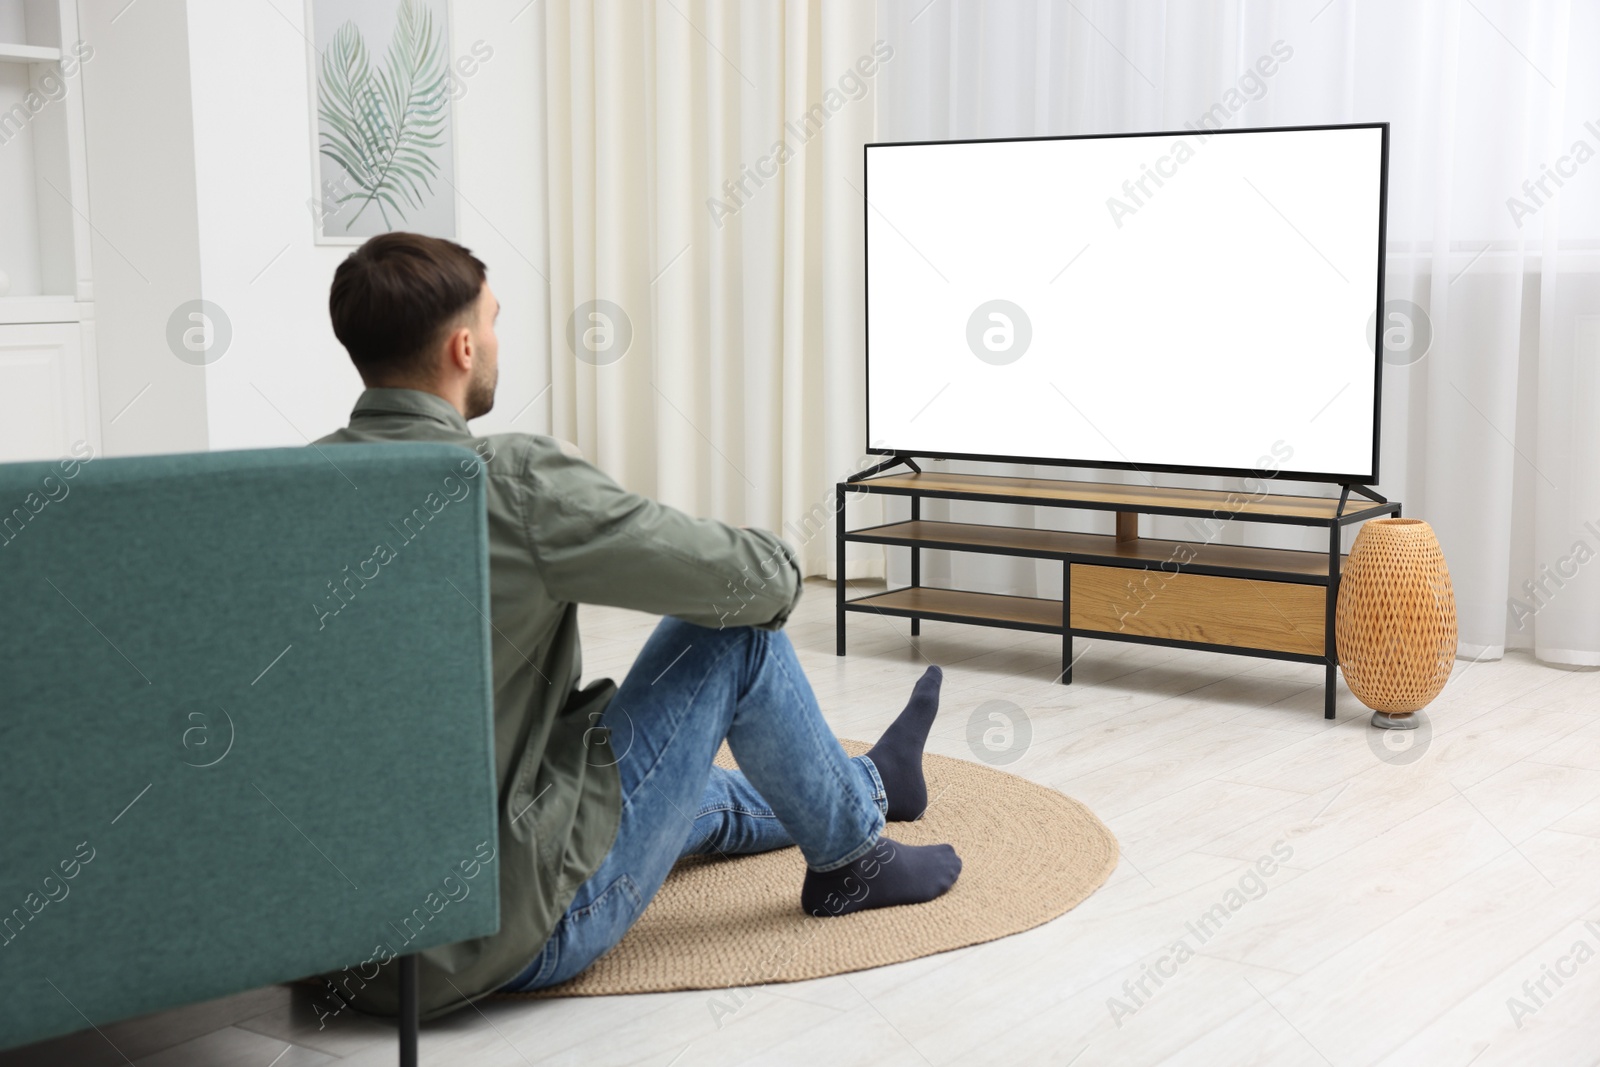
{"x": 686, "y": 633}
{"x": 744, "y": 649}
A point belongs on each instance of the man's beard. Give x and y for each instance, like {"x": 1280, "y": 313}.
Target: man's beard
{"x": 480, "y": 393}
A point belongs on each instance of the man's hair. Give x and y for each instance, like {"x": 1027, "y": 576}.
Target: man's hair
{"x": 394, "y": 299}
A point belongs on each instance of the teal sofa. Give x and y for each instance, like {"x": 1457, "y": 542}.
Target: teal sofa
{"x": 242, "y": 744}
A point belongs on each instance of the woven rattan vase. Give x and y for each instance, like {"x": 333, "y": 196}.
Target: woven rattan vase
{"x": 1396, "y": 619}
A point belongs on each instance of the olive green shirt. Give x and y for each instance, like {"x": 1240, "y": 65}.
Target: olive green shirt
{"x": 561, "y": 533}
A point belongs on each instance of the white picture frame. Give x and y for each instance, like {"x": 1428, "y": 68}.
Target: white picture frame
{"x": 344, "y": 209}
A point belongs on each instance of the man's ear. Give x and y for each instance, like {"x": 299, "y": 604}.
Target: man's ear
{"x": 459, "y": 349}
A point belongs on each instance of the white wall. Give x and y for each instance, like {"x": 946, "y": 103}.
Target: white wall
{"x": 284, "y": 377}
{"x": 144, "y": 243}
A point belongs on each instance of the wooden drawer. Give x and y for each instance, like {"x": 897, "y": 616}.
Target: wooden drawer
{"x": 1237, "y": 612}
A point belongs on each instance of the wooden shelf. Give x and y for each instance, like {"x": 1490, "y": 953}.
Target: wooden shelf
{"x": 956, "y": 605}
{"x": 1238, "y": 614}
{"x": 1102, "y": 496}
{"x": 1277, "y": 563}
{"x": 28, "y": 53}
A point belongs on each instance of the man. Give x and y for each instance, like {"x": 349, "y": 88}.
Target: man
{"x": 603, "y": 788}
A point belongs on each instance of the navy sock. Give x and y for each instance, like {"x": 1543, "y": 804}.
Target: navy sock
{"x": 890, "y": 874}
{"x": 898, "y": 753}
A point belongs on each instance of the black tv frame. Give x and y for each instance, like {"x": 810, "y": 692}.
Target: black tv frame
{"x": 1367, "y": 479}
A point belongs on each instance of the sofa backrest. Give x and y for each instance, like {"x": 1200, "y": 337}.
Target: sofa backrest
{"x": 246, "y": 723}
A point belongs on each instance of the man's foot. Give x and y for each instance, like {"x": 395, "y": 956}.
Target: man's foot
{"x": 898, "y": 753}
{"x": 890, "y": 874}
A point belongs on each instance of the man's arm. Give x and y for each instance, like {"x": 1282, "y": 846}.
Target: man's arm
{"x": 597, "y": 543}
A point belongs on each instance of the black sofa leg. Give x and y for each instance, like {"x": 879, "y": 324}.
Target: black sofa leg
{"x": 408, "y": 1011}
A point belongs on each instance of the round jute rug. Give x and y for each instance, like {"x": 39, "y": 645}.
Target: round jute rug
{"x": 1028, "y": 854}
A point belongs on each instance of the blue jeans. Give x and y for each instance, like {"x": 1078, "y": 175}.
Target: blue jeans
{"x": 691, "y": 687}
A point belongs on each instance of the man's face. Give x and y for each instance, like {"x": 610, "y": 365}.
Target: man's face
{"x": 486, "y": 355}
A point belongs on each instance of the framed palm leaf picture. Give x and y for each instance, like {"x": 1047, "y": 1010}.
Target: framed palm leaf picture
{"x": 382, "y": 131}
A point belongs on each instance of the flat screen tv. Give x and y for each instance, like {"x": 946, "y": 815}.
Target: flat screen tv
{"x": 1201, "y": 301}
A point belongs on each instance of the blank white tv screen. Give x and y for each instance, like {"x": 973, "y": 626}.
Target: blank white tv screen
{"x": 1167, "y": 301}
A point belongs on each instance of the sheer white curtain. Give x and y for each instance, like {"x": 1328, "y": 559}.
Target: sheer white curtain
{"x": 1491, "y": 430}
{"x": 702, "y": 164}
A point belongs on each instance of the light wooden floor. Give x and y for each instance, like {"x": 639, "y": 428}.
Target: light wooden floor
{"x": 1418, "y": 896}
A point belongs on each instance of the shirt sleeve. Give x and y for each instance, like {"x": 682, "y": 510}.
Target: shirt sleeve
{"x": 598, "y": 543}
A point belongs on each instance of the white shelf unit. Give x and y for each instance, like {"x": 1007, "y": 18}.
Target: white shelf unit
{"x": 48, "y": 375}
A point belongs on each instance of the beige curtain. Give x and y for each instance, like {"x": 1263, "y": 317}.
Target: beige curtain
{"x": 703, "y": 169}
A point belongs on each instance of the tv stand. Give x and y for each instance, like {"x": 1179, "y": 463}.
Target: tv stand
{"x": 1268, "y": 602}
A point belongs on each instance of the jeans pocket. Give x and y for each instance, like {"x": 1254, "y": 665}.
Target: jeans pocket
{"x": 589, "y": 932}
{"x": 618, "y": 904}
